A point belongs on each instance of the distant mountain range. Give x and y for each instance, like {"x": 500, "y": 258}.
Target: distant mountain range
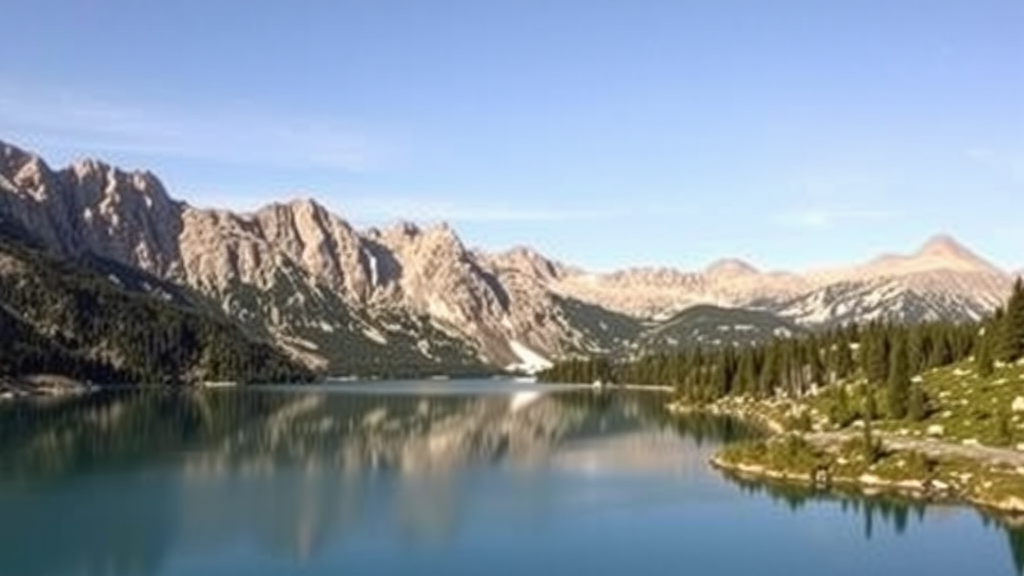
{"x": 343, "y": 300}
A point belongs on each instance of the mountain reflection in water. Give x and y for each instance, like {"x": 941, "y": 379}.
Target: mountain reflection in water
{"x": 141, "y": 482}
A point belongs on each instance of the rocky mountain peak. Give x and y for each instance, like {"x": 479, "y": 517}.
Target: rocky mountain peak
{"x": 441, "y": 229}
{"x": 99, "y": 183}
{"x": 295, "y": 207}
{"x": 87, "y": 166}
{"x": 25, "y": 171}
{"x": 939, "y": 253}
{"x": 403, "y": 228}
{"x": 306, "y": 205}
{"x": 944, "y": 246}
{"x": 308, "y": 280}
{"x": 730, "y": 267}
{"x": 943, "y": 252}
{"x": 12, "y": 158}
{"x": 528, "y": 261}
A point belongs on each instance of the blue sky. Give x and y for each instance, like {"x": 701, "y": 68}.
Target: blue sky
{"x": 793, "y": 133}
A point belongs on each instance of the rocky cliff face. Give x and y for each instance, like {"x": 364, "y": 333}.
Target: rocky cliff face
{"x": 348, "y": 300}
{"x": 299, "y": 273}
{"x": 661, "y": 292}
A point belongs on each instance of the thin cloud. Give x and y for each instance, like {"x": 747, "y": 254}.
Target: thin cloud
{"x": 826, "y": 218}
{"x": 81, "y": 123}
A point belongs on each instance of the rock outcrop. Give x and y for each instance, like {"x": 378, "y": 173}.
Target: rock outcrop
{"x": 299, "y": 273}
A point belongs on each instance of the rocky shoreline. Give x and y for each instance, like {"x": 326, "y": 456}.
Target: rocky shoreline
{"x": 926, "y": 490}
{"x": 954, "y": 475}
{"x": 42, "y": 386}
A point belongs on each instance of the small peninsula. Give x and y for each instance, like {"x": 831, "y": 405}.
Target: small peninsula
{"x": 933, "y": 411}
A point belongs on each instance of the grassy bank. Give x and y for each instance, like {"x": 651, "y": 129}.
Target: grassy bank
{"x": 966, "y": 445}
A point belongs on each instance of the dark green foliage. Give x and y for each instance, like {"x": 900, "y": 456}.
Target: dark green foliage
{"x": 582, "y": 371}
{"x": 918, "y": 350}
{"x": 709, "y": 325}
{"x": 1011, "y": 326}
{"x": 917, "y": 403}
{"x": 1004, "y": 428}
{"x": 884, "y": 356}
{"x": 1015, "y": 534}
{"x": 984, "y": 362}
{"x": 841, "y": 360}
{"x": 899, "y": 380}
{"x": 876, "y": 353}
{"x": 785, "y": 367}
{"x": 919, "y": 465}
{"x": 801, "y": 422}
{"x": 58, "y": 318}
{"x": 770, "y": 378}
{"x": 841, "y": 411}
{"x": 608, "y": 330}
{"x": 871, "y": 447}
{"x": 870, "y": 405}
{"x": 746, "y": 374}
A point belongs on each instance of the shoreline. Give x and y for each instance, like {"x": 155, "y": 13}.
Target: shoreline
{"x": 926, "y": 491}
{"x": 613, "y": 387}
{"x": 43, "y": 386}
{"x": 986, "y": 477}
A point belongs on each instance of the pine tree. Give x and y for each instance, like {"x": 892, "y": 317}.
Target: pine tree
{"x": 746, "y": 373}
{"x": 918, "y": 349}
{"x": 840, "y": 411}
{"x": 942, "y": 352}
{"x": 769, "y": 379}
{"x": 917, "y": 404}
{"x": 721, "y": 376}
{"x": 843, "y": 363}
{"x": 1011, "y": 331}
{"x": 984, "y": 362}
{"x": 871, "y": 447}
{"x": 870, "y": 406}
{"x": 899, "y": 380}
{"x": 816, "y": 365}
{"x": 878, "y": 356}
{"x": 1004, "y": 428}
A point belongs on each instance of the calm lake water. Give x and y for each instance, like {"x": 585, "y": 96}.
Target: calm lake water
{"x": 431, "y": 478}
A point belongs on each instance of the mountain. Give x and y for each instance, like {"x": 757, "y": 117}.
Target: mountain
{"x": 57, "y": 317}
{"x": 708, "y": 325}
{"x": 662, "y": 292}
{"x": 407, "y": 299}
{"x": 941, "y": 280}
{"x": 338, "y": 299}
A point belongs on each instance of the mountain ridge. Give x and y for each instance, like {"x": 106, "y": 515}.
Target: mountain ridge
{"x": 341, "y": 298}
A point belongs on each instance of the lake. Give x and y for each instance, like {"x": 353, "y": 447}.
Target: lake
{"x": 478, "y": 477}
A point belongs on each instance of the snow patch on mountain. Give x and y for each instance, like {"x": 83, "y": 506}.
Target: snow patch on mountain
{"x": 529, "y": 361}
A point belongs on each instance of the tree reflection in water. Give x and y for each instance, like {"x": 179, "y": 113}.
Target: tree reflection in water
{"x": 119, "y": 483}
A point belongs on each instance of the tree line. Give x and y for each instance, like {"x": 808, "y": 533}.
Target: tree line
{"x": 59, "y": 318}
{"x": 886, "y": 355}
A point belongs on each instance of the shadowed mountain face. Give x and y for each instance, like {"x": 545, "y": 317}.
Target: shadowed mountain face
{"x": 417, "y": 299}
{"x": 117, "y": 326}
{"x": 332, "y": 296}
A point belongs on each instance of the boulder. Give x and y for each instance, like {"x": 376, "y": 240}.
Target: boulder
{"x": 1018, "y": 404}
